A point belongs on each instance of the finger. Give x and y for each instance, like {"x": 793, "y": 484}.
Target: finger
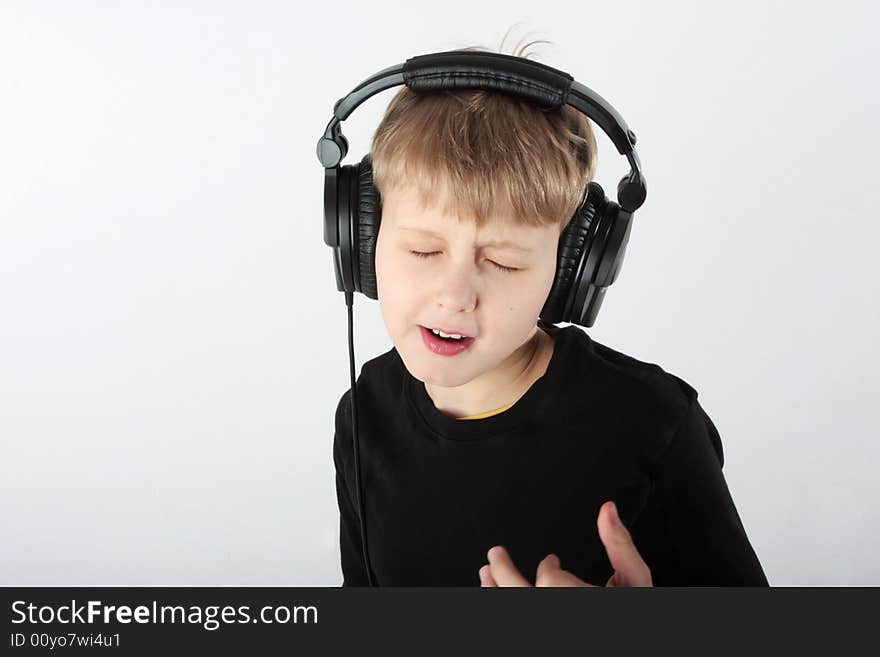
{"x": 503, "y": 570}
{"x": 550, "y": 574}
{"x": 548, "y": 564}
{"x": 629, "y": 567}
{"x": 486, "y": 579}
{"x": 561, "y": 578}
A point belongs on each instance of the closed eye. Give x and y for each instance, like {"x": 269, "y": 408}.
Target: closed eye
{"x": 420, "y": 254}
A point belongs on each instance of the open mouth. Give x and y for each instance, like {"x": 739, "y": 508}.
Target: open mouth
{"x": 444, "y": 346}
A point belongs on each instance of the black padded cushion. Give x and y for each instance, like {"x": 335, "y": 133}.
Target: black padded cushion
{"x": 516, "y": 76}
{"x": 571, "y": 247}
{"x": 369, "y": 214}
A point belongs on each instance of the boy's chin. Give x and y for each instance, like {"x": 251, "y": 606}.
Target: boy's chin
{"x": 444, "y": 375}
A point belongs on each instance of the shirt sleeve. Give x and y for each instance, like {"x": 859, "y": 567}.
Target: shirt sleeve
{"x": 690, "y": 533}
{"x": 354, "y": 572}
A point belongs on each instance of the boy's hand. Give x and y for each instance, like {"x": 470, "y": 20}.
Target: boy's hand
{"x": 629, "y": 568}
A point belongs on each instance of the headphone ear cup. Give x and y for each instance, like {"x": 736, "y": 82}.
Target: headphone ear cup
{"x": 589, "y": 288}
{"x": 574, "y": 246}
{"x": 369, "y": 214}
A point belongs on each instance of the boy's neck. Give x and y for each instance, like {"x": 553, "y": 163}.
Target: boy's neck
{"x": 502, "y": 386}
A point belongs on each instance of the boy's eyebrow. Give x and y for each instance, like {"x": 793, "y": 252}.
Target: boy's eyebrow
{"x": 505, "y": 244}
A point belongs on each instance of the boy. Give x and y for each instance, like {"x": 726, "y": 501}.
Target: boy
{"x": 485, "y": 427}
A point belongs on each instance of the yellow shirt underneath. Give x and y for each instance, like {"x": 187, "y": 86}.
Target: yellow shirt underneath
{"x": 487, "y": 413}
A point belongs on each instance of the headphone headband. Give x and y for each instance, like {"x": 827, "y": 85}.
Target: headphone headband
{"x": 478, "y": 70}
{"x": 518, "y": 76}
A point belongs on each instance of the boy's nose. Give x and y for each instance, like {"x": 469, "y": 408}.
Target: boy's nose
{"x": 456, "y": 290}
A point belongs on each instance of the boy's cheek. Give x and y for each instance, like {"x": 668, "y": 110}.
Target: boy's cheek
{"x": 388, "y": 265}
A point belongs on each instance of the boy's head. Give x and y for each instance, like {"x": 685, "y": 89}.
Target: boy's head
{"x": 457, "y": 171}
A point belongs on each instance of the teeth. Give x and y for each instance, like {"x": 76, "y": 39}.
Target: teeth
{"x": 447, "y": 335}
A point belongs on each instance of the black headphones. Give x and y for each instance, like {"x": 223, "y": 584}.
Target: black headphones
{"x": 592, "y": 245}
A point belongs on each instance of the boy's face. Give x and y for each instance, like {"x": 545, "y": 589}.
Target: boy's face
{"x": 460, "y": 288}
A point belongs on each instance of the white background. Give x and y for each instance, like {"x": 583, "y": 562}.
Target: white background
{"x": 172, "y": 344}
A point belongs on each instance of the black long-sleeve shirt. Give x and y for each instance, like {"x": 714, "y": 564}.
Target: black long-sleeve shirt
{"x": 598, "y": 425}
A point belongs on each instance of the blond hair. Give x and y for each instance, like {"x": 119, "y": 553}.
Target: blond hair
{"x": 489, "y": 154}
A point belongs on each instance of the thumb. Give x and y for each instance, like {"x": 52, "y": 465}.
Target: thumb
{"x": 629, "y": 567}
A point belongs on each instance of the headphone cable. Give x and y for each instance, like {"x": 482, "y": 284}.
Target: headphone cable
{"x": 349, "y": 300}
